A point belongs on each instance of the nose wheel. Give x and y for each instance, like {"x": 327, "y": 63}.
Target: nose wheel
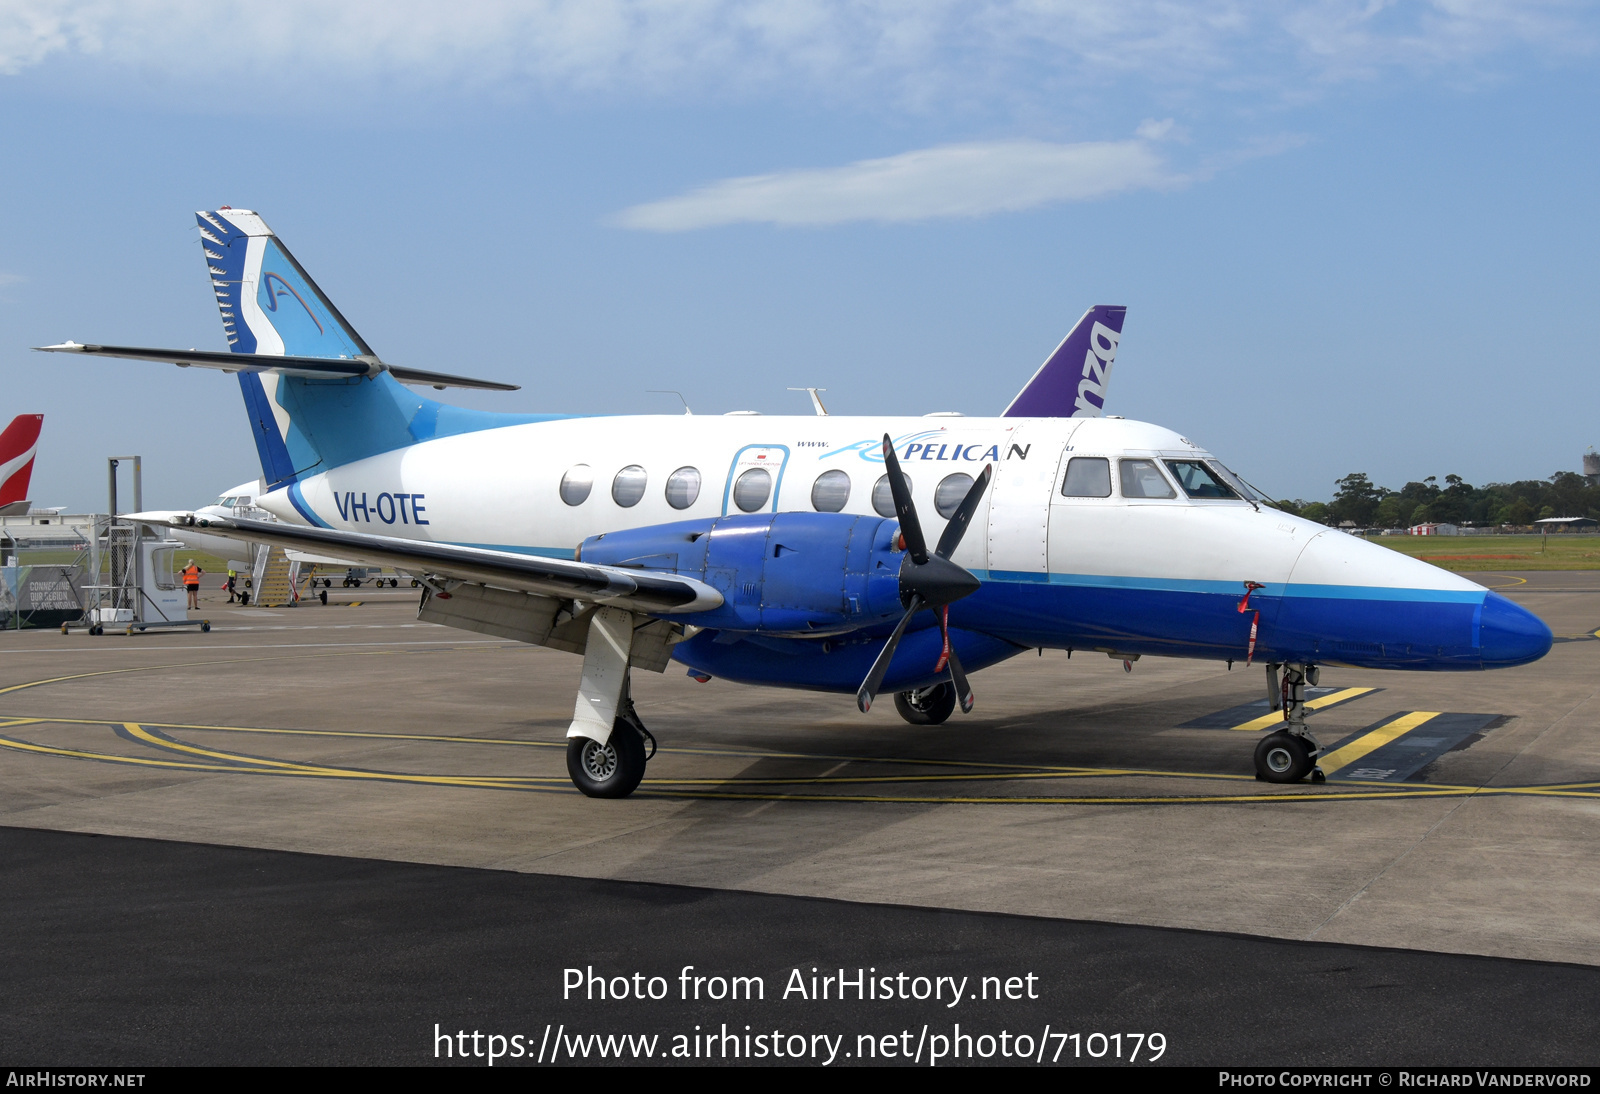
{"x": 1282, "y": 757}
{"x": 1289, "y": 754}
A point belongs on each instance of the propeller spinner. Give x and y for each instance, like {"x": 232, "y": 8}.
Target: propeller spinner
{"x": 927, "y": 581}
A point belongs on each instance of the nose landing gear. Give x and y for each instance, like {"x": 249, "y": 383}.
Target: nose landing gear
{"x": 1289, "y": 754}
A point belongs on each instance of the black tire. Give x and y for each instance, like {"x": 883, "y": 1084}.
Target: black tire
{"x": 1282, "y": 757}
{"x": 205, "y": 628}
{"x": 611, "y": 770}
{"x": 323, "y": 596}
{"x": 927, "y": 707}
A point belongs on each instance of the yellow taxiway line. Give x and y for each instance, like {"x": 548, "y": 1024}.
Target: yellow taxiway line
{"x": 1267, "y": 721}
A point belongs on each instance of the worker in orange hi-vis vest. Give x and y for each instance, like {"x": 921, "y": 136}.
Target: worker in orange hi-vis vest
{"x": 191, "y": 581}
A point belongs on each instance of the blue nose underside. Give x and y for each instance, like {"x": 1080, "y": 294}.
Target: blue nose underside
{"x": 1509, "y": 634}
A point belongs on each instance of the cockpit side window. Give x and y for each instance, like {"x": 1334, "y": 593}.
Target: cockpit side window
{"x": 1143, "y": 479}
{"x": 1087, "y": 477}
{"x": 1199, "y": 481}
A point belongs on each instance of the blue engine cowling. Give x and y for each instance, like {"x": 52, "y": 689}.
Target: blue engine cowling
{"x": 793, "y": 574}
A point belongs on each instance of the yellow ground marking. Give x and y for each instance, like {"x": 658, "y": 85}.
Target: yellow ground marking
{"x": 1267, "y": 721}
{"x": 1348, "y": 754}
{"x": 1508, "y": 584}
{"x": 288, "y": 767}
{"x": 662, "y": 788}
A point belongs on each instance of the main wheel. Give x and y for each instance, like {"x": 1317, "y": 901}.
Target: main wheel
{"x": 926, "y": 706}
{"x": 1282, "y": 757}
{"x": 610, "y": 770}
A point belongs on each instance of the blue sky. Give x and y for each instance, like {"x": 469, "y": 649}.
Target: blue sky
{"x": 1351, "y": 236}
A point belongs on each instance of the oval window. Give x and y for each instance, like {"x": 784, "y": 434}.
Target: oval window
{"x": 830, "y": 492}
{"x": 576, "y": 484}
{"x": 628, "y": 487}
{"x": 952, "y": 490}
{"x": 883, "y": 497}
{"x": 752, "y": 489}
{"x": 683, "y": 487}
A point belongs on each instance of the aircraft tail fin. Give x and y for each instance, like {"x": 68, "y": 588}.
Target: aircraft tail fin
{"x": 306, "y": 417}
{"x": 1072, "y": 381}
{"x": 269, "y": 304}
{"x": 18, "y": 444}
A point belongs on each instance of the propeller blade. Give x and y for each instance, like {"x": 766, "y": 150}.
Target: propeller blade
{"x": 944, "y": 632}
{"x": 951, "y": 539}
{"x": 910, "y": 526}
{"x": 958, "y": 677}
{"x": 869, "y": 687}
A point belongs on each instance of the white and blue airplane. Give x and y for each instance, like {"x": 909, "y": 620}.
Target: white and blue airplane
{"x": 794, "y": 551}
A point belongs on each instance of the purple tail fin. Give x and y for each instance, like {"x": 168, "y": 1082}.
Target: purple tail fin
{"x": 1072, "y": 382}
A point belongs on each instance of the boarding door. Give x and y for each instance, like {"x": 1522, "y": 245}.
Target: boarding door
{"x": 754, "y": 479}
{"x": 1019, "y": 502}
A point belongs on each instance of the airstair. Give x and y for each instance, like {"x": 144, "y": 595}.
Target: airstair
{"x": 272, "y": 578}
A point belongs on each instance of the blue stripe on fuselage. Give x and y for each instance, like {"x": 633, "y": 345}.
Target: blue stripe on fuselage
{"x": 303, "y": 507}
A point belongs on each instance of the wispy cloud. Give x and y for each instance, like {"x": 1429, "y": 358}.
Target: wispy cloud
{"x": 912, "y": 52}
{"x": 9, "y": 279}
{"x": 954, "y": 180}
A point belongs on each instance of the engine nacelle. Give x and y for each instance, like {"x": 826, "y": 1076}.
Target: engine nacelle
{"x": 794, "y": 574}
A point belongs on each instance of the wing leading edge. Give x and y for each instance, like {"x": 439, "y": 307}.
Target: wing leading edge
{"x": 637, "y": 590}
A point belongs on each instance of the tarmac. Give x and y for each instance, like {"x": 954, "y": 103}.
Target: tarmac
{"x": 1461, "y": 817}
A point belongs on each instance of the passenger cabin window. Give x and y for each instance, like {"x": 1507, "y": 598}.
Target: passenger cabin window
{"x": 1087, "y": 477}
{"x": 1198, "y": 480}
{"x": 950, "y": 493}
{"x": 576, "y": 484}
{"x": 1143, "y": 479}
{"x": 830, "y": 492}
{"x": 683, "y": 487}
{"x": 883, "y": 497}
{"x": 628, "y": 487}
{"x": 752, "y": 489}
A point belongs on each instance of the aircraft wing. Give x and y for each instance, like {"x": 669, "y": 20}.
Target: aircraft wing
{"x": 638, "y": 590}
{"x": 316, "y": 367}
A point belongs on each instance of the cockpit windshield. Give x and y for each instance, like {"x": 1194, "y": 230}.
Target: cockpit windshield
{"x": 1199, "y": 480}
{"x": 1242, "y": 488}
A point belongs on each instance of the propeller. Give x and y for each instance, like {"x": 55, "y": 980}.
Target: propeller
{"x": 927, "y": 581}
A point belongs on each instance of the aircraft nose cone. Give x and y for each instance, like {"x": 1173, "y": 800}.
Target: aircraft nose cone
{"x": 1510, "y": 635}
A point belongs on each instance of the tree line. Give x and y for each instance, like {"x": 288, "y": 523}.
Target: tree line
{"x": 1368, "y": 505}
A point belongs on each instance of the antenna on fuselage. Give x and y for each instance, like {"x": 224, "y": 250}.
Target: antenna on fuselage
{"x": 816, "y": 403}
{"x": 668, "y": 391}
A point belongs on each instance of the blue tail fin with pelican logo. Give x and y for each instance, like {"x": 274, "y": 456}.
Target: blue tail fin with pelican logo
{"x": 307, "y": 418}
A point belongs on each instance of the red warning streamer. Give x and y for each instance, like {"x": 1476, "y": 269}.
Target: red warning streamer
{"x": 1255, "y": 619}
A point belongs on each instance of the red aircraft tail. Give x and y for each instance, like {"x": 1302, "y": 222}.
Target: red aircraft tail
{"x": 17, "y": 445}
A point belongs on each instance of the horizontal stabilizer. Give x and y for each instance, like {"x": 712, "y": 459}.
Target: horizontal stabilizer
{"x": 315, "y": 367}
{"x": 1072, "y": 381}
{"x": 640, "y": 590}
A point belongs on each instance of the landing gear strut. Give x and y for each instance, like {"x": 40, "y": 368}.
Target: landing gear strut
{"x": 1289, "y": 754}
{"x": 926, "y": 706}
{"x": 606, "y": 743}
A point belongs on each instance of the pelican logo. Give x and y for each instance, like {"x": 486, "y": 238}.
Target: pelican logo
{"x": 927, "y": 445}
{"x": 268, "y": 281}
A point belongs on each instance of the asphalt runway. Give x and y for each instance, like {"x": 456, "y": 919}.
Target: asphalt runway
{"x": 1461, "y": 817}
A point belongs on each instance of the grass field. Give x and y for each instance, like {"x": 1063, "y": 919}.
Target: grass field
{"x": 1564, "y": 551}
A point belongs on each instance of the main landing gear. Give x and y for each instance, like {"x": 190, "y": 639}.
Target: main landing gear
{"x": 607, "y": 745}
{"x": 926, "y": 706}
{"x": 1289, "y": 754}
